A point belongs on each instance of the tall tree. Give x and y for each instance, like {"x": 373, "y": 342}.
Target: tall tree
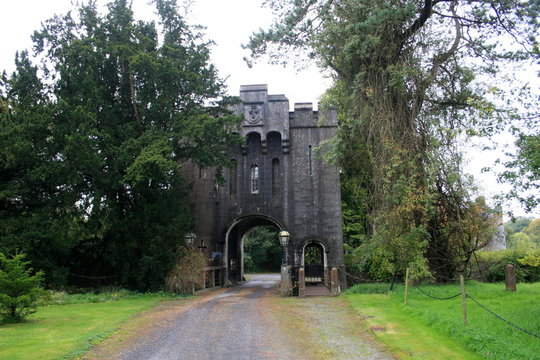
{"x": 410, "y": 80}
{"x": 114, "y": 109}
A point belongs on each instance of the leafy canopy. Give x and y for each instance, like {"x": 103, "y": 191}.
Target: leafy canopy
{"x": 93, "y": 138}
{"x": 411, "y": 78}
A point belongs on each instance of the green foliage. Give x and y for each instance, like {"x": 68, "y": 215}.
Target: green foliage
{"x": 523, "y": 234}
{"x": 354, "y": 211}
{"x": 490, "y": 265}
{"x": 20, "y": 290}
{"x": 533, "y": 230}
{"x": 516, "y": 225}
{"x": 64, "y": 298}
{"x": 187, "y": 274}
{"x": 522, "y": 242}
{"x": 262, "y": 251}
{"x": 313, "y": 255}
{"x": 407, "y": 89}
{"x": 80, "y": 296}
{"x": 91, "y": 147}
{"x": 523, "y": 172}
{"x": 532, "y": 260}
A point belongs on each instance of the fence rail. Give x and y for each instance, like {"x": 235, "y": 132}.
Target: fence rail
{"x": 503, "y": 319}
{"x": 213, "y": 276}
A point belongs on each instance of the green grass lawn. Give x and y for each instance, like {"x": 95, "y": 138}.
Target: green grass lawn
{"x": 68, "y": 331}
{"x": 413, "y": 331}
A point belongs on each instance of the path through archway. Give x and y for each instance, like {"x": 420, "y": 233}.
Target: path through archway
{"x": 235, "y": 238}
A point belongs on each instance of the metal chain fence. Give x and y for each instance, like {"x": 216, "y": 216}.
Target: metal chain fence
{"x": 483, "y": 307}
{"x": 503, "y": 319}
{"x": 435, "y": 297}
{"x": 477, "y": 302}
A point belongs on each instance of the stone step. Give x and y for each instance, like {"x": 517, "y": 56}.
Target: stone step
{"x": 317, "y": 291}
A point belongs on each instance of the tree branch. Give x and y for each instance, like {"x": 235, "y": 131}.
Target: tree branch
{"x": 420, "y": 21}
{"x": 472, "y": 21}
{"x": 132, "y": 93}
{"x": 442, "y": 58}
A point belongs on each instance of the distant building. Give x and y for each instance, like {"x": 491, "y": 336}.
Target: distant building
{"x": 498, "y": 241}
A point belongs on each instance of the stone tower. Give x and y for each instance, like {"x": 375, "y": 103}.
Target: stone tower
{"x": 278, "y": 179}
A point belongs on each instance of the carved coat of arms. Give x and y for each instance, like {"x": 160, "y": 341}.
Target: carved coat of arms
{"x": 253, "y": 114}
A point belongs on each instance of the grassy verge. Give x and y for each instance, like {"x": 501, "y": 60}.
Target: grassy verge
{"x": 69, "y": 330}
{"x": 416, "y": 330}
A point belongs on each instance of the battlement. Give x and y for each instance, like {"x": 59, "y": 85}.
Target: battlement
{"x": 264, "y": 113}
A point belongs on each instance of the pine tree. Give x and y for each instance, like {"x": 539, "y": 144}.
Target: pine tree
{"x": 19, "y": 289}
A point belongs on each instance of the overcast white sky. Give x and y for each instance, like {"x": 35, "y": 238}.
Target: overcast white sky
{"x": 229, "y": 23}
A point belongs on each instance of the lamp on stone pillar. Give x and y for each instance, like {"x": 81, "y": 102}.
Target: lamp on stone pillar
{"x": 190, "y": 239}
{"x": 284, "y": 237}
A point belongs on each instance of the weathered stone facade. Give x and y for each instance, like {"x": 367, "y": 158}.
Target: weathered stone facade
{"x": 278, "y": 180}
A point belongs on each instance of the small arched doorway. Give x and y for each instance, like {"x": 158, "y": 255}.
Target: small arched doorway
{"x": 235, "y": 236}
{"x": 314, "y": 262}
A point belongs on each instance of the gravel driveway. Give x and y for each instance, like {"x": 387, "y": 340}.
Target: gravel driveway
{"x": 245, "y": 322}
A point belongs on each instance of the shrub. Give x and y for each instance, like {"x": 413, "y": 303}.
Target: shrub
{"x": 187, "y": 273}
{"x": 490, "y": 266}
{"x": 19, "y": 289}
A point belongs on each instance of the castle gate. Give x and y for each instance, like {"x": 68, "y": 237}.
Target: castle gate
{"x": 278, "y": 179}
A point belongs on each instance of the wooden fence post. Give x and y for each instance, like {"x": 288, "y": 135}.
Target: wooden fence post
{"x": 406, "y": 285}
{"x": 301, "y": 282}
{"x": 463, "y": 299}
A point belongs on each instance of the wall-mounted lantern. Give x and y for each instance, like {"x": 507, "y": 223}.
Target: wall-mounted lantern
{"x": 284, "y": 238}
{"x": 190, "y": 239}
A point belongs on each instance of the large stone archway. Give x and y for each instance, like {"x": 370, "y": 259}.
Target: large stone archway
{"x": 278, "y": 178}
{"x": 234, "y": 238}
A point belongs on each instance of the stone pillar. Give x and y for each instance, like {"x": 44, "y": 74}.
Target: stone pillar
{"x": 286, "y": 283}
{"x": 335, "y": 281}
{"x": 301, "y": 282}
{"x": 327, "y": 277}
{"x": 510, "y": 277}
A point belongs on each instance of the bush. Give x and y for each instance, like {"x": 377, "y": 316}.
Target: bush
{"x": 187, "y": 273}
{"x": 490, "y": 266}
{"x": 19, "y": 289}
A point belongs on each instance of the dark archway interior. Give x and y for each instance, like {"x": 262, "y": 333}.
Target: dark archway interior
{"x": 235, "y": 248}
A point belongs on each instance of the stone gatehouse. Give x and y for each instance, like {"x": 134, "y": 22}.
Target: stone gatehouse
{"x": 278, "y": 179}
